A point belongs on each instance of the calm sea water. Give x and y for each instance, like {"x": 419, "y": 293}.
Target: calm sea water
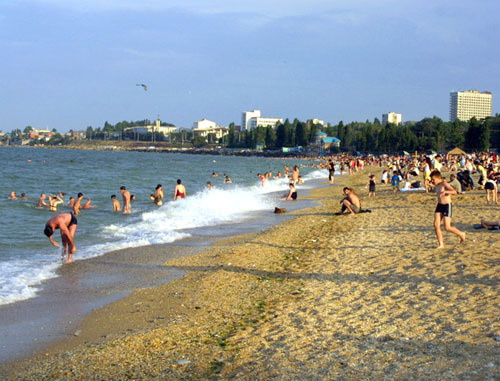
{"x": 26, "y": 256}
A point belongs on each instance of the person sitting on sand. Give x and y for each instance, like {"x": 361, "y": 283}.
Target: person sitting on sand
{"x": 490, "y": 224}
{"x": 351, "y": 202}
{"x": 41, "y": 201}
{"x": 292, "y": 194}
{"x": 179, "y": 190}
{"x": 455, "y": 183}
{"x": 13, "y": 196}
{"x": 67, "y": 224}
{"x": 54, "y": 201}
{"x": 116, "y": 204}
{"x": 443, "y": 209}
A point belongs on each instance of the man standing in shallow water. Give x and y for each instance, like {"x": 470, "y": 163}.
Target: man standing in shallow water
{"x": 126, "y": 200}
{"x": 443, "y": 209}
{"x": 67, "y": 224}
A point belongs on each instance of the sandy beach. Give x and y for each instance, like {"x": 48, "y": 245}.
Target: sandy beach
{"x": 317, "y": 297}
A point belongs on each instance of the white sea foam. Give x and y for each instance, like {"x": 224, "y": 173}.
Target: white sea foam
{"x": 20, "y": 279}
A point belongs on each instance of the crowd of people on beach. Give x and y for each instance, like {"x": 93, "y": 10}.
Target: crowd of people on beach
{"x": 416, "y": 172}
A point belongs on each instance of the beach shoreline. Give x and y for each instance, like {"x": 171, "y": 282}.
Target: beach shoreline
{"x": 318, "y": 296}
{"x": 29, "y": 326}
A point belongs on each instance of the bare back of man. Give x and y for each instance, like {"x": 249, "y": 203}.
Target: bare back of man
{"x": 67, "y": 224}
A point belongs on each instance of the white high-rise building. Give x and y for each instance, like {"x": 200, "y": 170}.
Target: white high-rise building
{"x": 465, "y": 105}
{"x": 246, "y": 117}
{"x": 252, "y": 119}
{"x": 393, "y": 118}
{"x": 264, "y": 122}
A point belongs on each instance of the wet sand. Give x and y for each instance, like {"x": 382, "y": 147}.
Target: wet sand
{"x": 317, "y": 297}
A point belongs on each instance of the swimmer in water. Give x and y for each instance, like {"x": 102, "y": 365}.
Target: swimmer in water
{"x": 71, "y": 202}
{"x": 54, "y": 201}
{"x": 116, "y": 204}
{"x": 180, "y": 190}
{"x": 41, "y": 201}
{"x": 126, "y": 200}
{"x": 13, "y": 196}
{"x": 78, "y": 204}
{"x": 67, "y": 224}
{"x": 209, "y": 185}
{"x": 158, "y": 195}
{"x": 87, "y": 205}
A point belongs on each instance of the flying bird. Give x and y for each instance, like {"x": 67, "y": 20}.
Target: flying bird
{"x": 143, "y": 86}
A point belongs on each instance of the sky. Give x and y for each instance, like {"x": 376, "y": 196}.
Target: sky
{"x": 69, "y": 64}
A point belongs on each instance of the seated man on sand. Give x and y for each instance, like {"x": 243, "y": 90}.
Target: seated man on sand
{"x": 351, "y": 202}
{"x": 292, "y": 194}
{"x": 492, "y": 225}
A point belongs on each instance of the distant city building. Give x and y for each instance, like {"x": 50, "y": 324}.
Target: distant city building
{"x": 246, "y": 116}
{"x": 319, "y": 137}
{"x": 205, "y": 127}
{"x": 157, "y": 127}
{"x": 264, "y": 122}
{"x": 253, "y": 119}
{"x": 318, "y": 121}
{"x": 393, "y": 118}
{"x": 204, "y": 124}
{"x": 465, "y": 105}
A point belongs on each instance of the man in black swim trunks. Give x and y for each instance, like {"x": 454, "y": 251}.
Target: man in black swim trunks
{"x": 67, "y": 224}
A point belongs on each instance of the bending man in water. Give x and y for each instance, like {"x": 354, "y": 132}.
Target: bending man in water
{"x": 67, "y": 224}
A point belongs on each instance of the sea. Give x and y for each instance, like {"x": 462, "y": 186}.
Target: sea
{"x": 27, "y": 259}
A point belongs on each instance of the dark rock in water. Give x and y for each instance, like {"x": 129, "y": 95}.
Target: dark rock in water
{"x": 279, "y": 210}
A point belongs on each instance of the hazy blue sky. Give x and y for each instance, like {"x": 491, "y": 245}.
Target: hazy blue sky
{"x": 67, "y": 64}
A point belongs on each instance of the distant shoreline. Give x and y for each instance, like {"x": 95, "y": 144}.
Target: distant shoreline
{"x": 132, "y": 146}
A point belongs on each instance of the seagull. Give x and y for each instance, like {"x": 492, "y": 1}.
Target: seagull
{"x": 143, "y": 86}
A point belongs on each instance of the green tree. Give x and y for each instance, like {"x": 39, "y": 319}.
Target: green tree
{"x": 199, "y": 141}
{"x": 281, "y": 135}
{"x": 231, "y": 137}
{"x": 300, "y": 134}
{"x": 270, "y": 139}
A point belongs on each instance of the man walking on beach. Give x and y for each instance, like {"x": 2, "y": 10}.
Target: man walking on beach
{"x": 67, "y": 224}
{"x": 126, "y": 200}
{"x": 443, "y": 209}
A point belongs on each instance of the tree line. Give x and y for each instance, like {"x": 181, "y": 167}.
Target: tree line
{"x": 426, "y": 134}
